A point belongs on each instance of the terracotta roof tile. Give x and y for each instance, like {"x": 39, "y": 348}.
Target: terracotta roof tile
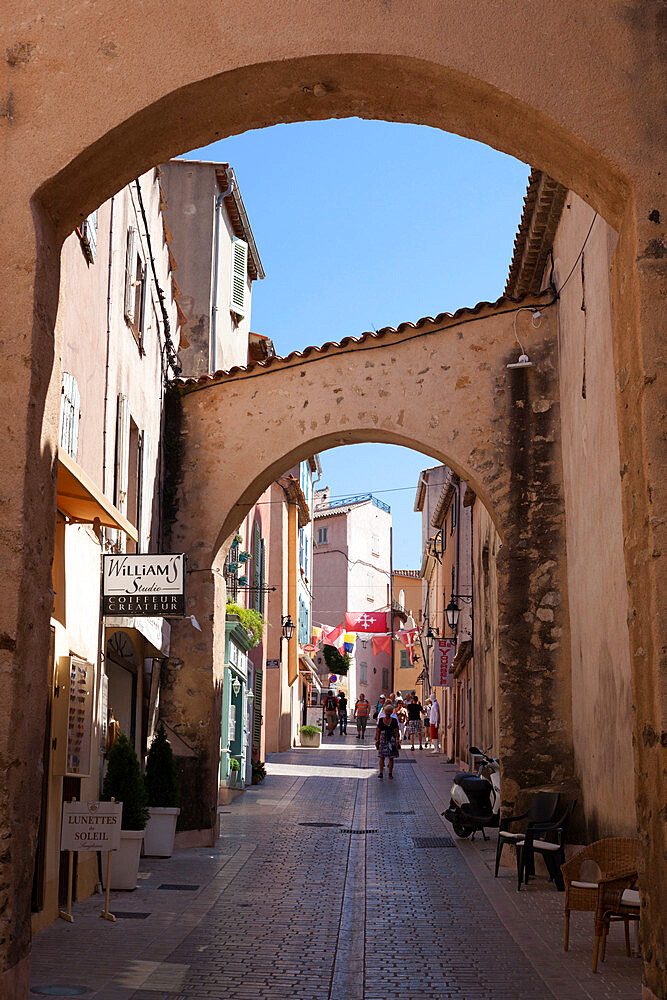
{"x": 542, "y": 209}
{"x": 439, "y": 322}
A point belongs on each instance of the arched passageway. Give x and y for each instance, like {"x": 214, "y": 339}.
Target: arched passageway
{"x": 441, "y": 387}
{"x": 80, "y": 116}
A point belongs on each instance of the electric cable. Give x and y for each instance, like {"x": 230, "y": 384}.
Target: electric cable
{"x": 590, "y": 230}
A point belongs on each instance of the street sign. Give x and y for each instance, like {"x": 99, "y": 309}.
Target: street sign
{"x": 91, "y": 826}
{"x": 333, "y": 678}
{"x": 143, "y": 585}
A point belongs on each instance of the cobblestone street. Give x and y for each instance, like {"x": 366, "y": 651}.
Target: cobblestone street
{"x": 321, "y": 888}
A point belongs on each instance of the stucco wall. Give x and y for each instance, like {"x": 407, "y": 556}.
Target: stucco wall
{"x": 484, "y": 667}
{"x": 592, "y": 473}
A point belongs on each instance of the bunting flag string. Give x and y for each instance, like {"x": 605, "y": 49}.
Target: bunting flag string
{"x": 367, "y": 621}
{"x": 381, "y": 644}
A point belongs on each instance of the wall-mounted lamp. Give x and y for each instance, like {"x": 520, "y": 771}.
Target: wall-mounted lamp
{"x": 288, "y": 627}
{"x": 437, "y": 545}
{"x": 236, "y": 686}
{"x": 536, "y": 319}
{"x": 452, "y": 611}
{"x": 432, "y": 633}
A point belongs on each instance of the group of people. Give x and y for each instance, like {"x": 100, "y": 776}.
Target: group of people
{"x": 335, "y": 713}
{"x": 395, "y": 718}
{"x": 395, "y": 721}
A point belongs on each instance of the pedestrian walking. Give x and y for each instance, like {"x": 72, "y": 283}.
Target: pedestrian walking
{"x": 402, "y": 716}
{"x": 330, "y": 712}
{"x": 387, "y": 741}
{"x": 427, "y": 723}
{"x": 378, "y": 706}
{"x": 434, "y": 720}
{"x": 361, "y": 710}
{"x": 415, "y": 727}
{"x": 342, "y": 713}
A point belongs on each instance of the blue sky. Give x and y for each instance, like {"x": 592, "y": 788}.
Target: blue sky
{"x": 362, "y": 225}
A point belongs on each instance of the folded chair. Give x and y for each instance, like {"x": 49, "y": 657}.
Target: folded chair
{"x": 553, "y": 851}
{"x": 541, "y": 810}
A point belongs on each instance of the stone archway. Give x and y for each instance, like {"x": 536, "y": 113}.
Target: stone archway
{"x": 81, "y": 115}
{"x": 441, "y": 387}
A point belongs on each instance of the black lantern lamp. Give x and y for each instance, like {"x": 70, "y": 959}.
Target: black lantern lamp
{"x": 452, "y": 612}
{"x": 432, "y": 633}
{"x": 288, "y": 627}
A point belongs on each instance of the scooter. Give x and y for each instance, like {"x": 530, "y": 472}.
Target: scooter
{"x": 475, "y": 798}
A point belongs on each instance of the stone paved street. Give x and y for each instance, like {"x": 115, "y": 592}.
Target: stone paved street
{"x": 345, "y": 907}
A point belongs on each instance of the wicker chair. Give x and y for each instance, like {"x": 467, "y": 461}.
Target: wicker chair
{"x": 616, "y": 901}
{"x": 614, "y": 857}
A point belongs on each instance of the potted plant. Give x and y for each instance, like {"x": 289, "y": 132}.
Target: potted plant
{"x": 243, "y": 581}
{"x": 258, "y": 771}
{"x": 234, "y": 771}
{"x": 124, "y": 783}
{"x": 244, "y": 556}
{"x": 163, "y": 797}
{"x": 311, "y": 736}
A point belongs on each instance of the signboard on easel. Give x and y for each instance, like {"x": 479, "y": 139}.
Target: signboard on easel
{"x": 90, "y": 826}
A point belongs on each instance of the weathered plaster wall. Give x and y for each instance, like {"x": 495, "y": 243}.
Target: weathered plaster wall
{"x": 484, "y": 667}
{"x": 592, "y": 473}
{"x": 81, "y": 116}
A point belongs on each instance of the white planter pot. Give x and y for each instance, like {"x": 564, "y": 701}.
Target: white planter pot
{"x": 160, "y": 832}
{"x": 311, "y": 741}
{"x": 124, "y": 861}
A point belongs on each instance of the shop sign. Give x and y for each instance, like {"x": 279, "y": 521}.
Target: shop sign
{"x": 444, "y": 651}
{"x": 143, "y": 585}
{"x": 272, "y": 664}
{"x": 91, "y": 826}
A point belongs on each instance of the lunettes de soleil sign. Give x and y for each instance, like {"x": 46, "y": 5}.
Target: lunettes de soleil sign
{"x": 151, "y": 585}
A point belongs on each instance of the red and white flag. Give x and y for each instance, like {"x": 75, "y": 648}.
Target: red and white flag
{"x": 367, "y": 621}
{"x": 381, "y": 644}
{"x": 334, "y": 637}
{"x": 408, "y": 637}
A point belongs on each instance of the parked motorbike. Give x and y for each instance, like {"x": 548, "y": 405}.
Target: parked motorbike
{"x": 475, "y": 798}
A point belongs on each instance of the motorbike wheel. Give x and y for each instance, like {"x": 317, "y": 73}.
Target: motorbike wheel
{"x": 460, "y": 829}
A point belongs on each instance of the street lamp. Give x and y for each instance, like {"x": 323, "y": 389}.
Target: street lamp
{"x": 452, "y": 612}
{"x": 288, "y": 627}
{"x": 432, "y": 633}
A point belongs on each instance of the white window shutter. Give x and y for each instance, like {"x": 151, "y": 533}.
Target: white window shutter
{"x": 122, "y": 452}
{"x": 146, "y": 499}
{"x": 130, "y": 272}
{"x": 70, "y": 407}
{"x": 239, "y": 276}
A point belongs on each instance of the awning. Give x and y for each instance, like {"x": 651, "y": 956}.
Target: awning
{"x": 307, "y": 666}
{"x": 80, "y": 499}
{"x": 156, "y": 632}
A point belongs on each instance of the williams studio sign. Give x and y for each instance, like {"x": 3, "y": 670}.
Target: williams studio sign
{"x": 143, "y": 585}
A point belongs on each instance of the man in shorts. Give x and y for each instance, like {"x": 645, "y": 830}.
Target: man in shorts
{"x": 434, "y": 720}
{"x": 361, "y": 710}
{"x": 330, "y": 712}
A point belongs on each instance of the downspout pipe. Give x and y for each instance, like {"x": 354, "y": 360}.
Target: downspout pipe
{"x": 213, "y": 347}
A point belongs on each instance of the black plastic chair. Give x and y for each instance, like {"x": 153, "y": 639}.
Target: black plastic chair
{"x": 553, "y": 851}
{"x": 542, "y": 809}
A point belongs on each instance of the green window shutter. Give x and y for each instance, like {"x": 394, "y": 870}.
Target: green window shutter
{"x": 257, "y": 710}
{"x": 262, "y": 576}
